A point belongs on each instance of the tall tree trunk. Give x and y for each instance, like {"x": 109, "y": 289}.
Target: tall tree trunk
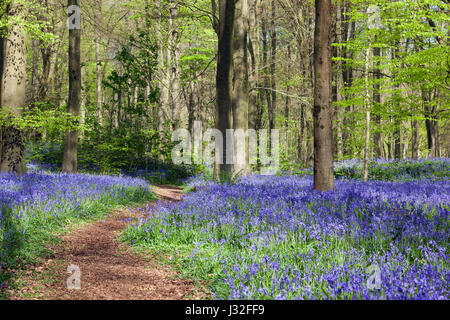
{"x": 378, "y": 137}
{"x": 253, "y": 47}
{"x": 396, "y": 106}
{"x": 415, "y": 140}
{"x": 405, "y": 147}
{"x": 191, "y": 107}
{"x": 12, "y": 92}
{"x": 397, "y": 139}
{"x": 431, "y": 125}
{"x": 240, "y": 88}
{"x": 323, "y": 111}
{"x": 286, "y": 108}
{"x": 99, "y": 62}
{"x": 2, "y": 59}
{"x": 174, "y": 48}
{"x": 348, "y": 80}
{"x": 367, "y": 107}
{"x": 35, "y": 70}
{"x": 389, "y": 147}
{"x": 273, "y": 56}
{"x": 48, "y": 70}
{"x": 301, "y": 149}
{"x": 148, "y": 89}
{"x": 339, "y": 80}
{"x": 189, "y": 97}
{"x": 265, "y": 44}
{"x": 162, "y": 73}
{"x": 74, "y": 100}
{"x": 224, "y": 79}
{"x": 83, "y": 109}
{"x": 437, "y": 97}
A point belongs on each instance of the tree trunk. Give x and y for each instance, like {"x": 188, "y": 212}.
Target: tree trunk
{"x": 286, "y": 109}
{"x": 378, "y": 137}
{"x": 12, "y": 93}
{"x": 83, "y": 105}
{"x": 98, "y": 62}
{"x": 48, "y": 70}
{"x": 339, "y": 81}
{"x": 323, "y": 135}
{"x": 396, "y": 105}
{"x": 397, "y": 140}
{"x": 162, "y": 72}
{"x": 348, "y": 80}
{"x": 254, "y": 57}
{"x": 415, "y": 140}
{"x": 191, "y": 107}
{"x": 367, "y": 107}
{"x": 74, "y": 100}
{"x": 389, "y": 148}
{"x": 267, "y": 93}
{"x": 2, "y": 59}
{"x": 405, "y": 147}
{"x": 431, "y": 125}
{"x": 174, "y": 62}
{"x": 240, "y": 89}
{"x": 224, "y": 80}
{"x": 35, "y": 70}
{"x": 273, "y": 56}
{"x": 301, "y": 149}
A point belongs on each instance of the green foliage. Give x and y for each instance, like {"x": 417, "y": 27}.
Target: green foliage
{"x": 34, "y": 23}
{"x": 139, "y": 60}
{"x": 41, "y": 118}
{"x": 227, "y": 177}
{"x": 111, "y": 159}
{"x": 112, "y": 147}
{"x": 194, "y": 61}
{"x": 45, "y": 153}
{"x": 413, "y": 41}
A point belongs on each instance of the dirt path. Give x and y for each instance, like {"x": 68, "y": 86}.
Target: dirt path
{"x": 109, "y": 271}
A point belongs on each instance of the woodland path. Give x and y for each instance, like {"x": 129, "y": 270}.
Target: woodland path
{"x": 109, "y": 270}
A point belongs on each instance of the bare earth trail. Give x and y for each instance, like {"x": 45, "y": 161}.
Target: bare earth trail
{"x": 109, "y": 270}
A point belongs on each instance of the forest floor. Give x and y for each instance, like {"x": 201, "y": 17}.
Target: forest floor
{"x": 109, "y": 270}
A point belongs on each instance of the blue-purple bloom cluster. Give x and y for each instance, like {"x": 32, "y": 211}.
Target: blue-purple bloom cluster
{"x": 395, "y": 170}
{"x": 49, "y": 191}
{"x": 277, "y": 238}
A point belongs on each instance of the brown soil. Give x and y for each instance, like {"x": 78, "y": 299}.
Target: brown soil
{"x": 109, "y": 270}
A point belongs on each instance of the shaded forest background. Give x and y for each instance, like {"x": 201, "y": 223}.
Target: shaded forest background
{"x": 148, "y": 67}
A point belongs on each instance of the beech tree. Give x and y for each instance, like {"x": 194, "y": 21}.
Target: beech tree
{"x": 323, "y": 135}
{"x": 241, "y": 86}
{"x": 12, "y": 91}
{"x": 74, "y": 100}
{"x": 225, "y": 32}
